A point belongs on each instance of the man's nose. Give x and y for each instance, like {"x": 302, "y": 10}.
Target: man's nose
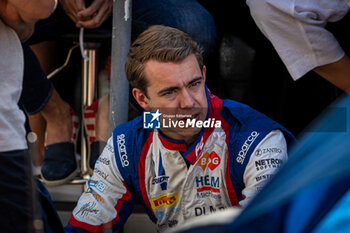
{"x": 186, "y": 100}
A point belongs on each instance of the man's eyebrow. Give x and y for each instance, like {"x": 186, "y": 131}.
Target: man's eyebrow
{"x": 195, "y": 80}
{"x": 167, "y": 89}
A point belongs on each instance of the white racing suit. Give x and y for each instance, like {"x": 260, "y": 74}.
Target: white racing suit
{"x": 224, "y": 167}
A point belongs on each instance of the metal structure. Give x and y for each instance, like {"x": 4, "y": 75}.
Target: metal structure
{"x": 89, "y": 73}
{"x": 119, "y": 86}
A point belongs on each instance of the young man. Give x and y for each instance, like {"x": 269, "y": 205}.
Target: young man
{"x": 208, "y": 153}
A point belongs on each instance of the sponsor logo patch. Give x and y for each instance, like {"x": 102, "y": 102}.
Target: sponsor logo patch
{"x": 246, "y": 145}
{"x": 199, "y": 147}
{"x": 172, "y": 222}
{"x": 103, "y": 160}
{"x": 122, "y": 150}
{"x": 198, "y": 211}
{"x": 101, "y": 173}
{"x": 211, "y": 160}
{"x": 262, "y": 151}
{"x": 99, "y": 185}
{"x": 264, "y": 177}
{"x": 162, "y": 214}
{"x": 98, "y": 197}
{"x": 268, "y": 163}
{"x": 161, "y": 178}
{"x": 164, "y": 200}
{"x": 207, "y": 183}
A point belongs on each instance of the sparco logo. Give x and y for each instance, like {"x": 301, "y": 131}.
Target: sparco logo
{"x": 242, "y": 153}
{"x": 122, "y": 150}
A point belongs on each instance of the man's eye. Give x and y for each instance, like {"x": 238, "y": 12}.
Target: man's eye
{"x": 195, "y": 83}
{"x": 168, "y": 93}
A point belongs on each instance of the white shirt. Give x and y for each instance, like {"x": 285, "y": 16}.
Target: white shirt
{"x": 296, "y": 28}
{"x": 12, "y": 131}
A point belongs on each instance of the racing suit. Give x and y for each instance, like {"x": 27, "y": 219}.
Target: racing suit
{"x": 224, "y": 167}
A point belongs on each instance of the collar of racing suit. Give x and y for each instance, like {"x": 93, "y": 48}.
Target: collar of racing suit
{"x": 190, "y": 153}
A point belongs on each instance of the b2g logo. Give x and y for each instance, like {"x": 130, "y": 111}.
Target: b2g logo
{"x": 211, "y": 160}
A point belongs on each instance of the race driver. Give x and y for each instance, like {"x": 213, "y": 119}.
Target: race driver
{"x": 190, "y": 154}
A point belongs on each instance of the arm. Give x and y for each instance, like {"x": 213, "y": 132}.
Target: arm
{"x": 33, "y": 10}
{"x": 107, "y": 202}
{"x": 337, "y": 73}
{"x": 296, "y": 29}
{"x": 21, "y": 15}
{"x": 268, "y": 156}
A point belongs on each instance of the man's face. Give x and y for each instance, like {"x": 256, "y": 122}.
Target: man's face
{"x": 176, "y": 89}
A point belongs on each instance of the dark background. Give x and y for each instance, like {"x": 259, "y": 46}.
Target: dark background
{"x": 246, "y": 68}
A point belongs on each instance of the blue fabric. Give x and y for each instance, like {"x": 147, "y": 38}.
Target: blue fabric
{"x": 32, "y": 98}
{"x": 59, "y": 161}
{"x": 17, "y": 192}
{"x": 305, "y": 192}
{"x": 186, "y": 15}
{"x": 247, "y": 120}
{"x": 304, "y": 204}
{"x": 319, "y": 155}
{"x": 70, "y": 228}
{"x": 135, "y": 138}
{"x": 15, "y": 211}
{"x": 338, "y": 220}
{"x": 50, "y": 218}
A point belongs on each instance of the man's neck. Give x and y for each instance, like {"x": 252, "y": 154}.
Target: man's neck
{"x": 188, "y": 140}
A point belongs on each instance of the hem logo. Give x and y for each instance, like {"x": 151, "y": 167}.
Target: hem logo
{"x": 164, "y": 200}
{"x": 204, "y": 183}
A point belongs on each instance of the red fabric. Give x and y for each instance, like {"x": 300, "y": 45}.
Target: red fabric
{"x": 141, "y": 166}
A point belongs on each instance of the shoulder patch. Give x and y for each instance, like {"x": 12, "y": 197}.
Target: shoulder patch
{"x": 245, "y": 147}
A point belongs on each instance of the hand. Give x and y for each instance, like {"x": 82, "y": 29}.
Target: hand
{"x": 95, "y": 14}
{"x": 72, "y": 7}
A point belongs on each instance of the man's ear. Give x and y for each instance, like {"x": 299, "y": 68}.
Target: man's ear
{"x": 204, "y": 73}
{"x": 141, "y": 99}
